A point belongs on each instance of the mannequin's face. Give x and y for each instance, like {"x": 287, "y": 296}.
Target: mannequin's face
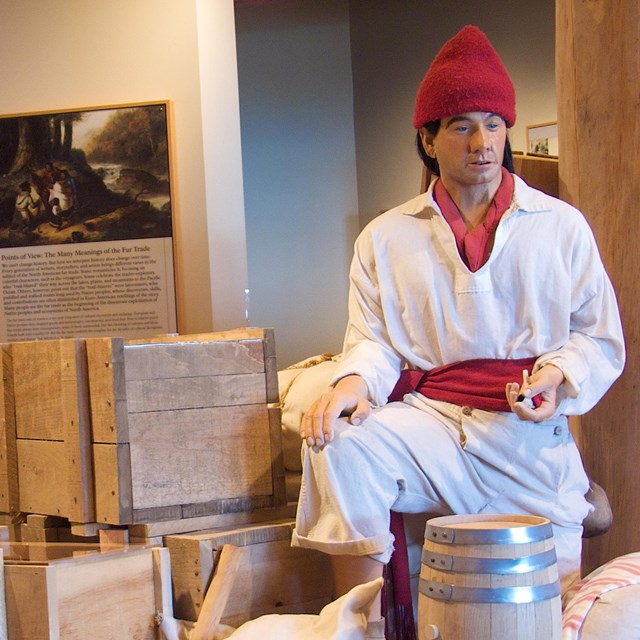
{"x": 469, "y": 149}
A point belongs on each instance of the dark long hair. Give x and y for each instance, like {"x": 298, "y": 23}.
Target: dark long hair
{"x": 432, "y": 164}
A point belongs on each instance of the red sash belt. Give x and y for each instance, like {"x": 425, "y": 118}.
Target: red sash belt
{"x": 479, "y": 384}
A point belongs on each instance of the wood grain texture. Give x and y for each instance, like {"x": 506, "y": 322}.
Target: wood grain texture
{"x": 113, "y": 494}
{"x": 9, "y": 495}
{"x": 598, "y": 88}
{"x": 76, "y": 431}
{"x": 38, "y": 389}
{"x": 191, "y": 359}
{"x": 107, "y": 386}
{"x": 42, "y": 476}
{"x": 195, "y": 392}
{"x": 54, "y": 592}
{"x": 113, "y": 592}
{"x": 217, "y": 596}
{"x": 182, "y": 457}
{"x": 31, "y": 601}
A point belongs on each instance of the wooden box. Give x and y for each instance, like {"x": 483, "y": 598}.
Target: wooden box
{"x": 183, "y": 426}
{"x": 55, "y": 591}
{"x": 119, "y": 432}
{"x": 273, "y": 577}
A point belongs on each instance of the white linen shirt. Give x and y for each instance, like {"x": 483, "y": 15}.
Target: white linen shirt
{"x": 542, "y": 293}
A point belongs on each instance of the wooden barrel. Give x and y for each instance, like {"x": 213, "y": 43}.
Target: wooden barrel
{"x": 489, "y": 577}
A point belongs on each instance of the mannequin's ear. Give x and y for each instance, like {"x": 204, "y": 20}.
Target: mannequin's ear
{"x": 427, "y": 142}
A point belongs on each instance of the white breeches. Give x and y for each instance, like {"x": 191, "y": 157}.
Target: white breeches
{"x": 426, "y": 456}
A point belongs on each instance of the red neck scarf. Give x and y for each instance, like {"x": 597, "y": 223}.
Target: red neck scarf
{"x": 475, "y": 246}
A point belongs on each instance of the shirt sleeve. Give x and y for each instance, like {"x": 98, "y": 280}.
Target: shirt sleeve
{"x": 594, "y": 355}
{"x": 367, "y": 349}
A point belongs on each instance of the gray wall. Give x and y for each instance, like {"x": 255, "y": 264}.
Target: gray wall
{"x": 296, "y": 113}
{"x": 326, "y": 87}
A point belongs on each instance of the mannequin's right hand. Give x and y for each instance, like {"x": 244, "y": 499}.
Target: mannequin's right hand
{"x": 349, "y": 397}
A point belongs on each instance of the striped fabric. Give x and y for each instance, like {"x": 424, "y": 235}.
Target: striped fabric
{"x": 579, "y": 599}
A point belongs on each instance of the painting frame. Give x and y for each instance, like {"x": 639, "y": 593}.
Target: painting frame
{"x": 99, "y": 188}
{"x": 542, "y": 139}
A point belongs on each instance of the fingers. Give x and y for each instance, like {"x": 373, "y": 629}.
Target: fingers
{"x": 361, "y": 413}
{"x": 521, "y": 404}
{"x": 318, "y": 423}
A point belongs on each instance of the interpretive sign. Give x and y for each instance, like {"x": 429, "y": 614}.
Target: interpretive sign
{"x": 86, "y": 224}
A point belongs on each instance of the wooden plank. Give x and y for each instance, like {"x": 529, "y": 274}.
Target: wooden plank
{"x": 76, "y": 427}
{"x": 242, "y": 333}
{"x": 105, "y": 357}
{"x": 39, "y": 520}
{"x": 38, "y": 534}
{"x": 37, "y": 389}
{"x": 226, "y": 505}
{"x": 271, "y": 366}
{"x": 277, "y": 456}
{"x": 113, "y": 493}
{"x": 204, "y": 358}
{"x": 218, "y": 593}
{"x": 112, "y": 594}
{"x": 191, "y": 568}
{"x": 9, "y": 496}
{"x": 170, "y": 512}
{"x": 42, "y": 476}
{"x": 113, "y": 538}
{"x": 31, "y": 601}
{"x": 4, "y": 635}
{"x": 145, "y": 530}
{"x": 198, "y": 455}
{"x": 195, "y": 392}
{"x": 162, "y": 580}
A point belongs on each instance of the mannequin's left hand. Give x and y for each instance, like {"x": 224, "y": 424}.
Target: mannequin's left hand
{"x": 543, "y": 383}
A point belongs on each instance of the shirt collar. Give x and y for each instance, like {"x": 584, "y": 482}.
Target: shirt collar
{"x": 525, "y": 199}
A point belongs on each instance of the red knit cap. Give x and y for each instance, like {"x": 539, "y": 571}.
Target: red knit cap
{"x": 466, "y": 75}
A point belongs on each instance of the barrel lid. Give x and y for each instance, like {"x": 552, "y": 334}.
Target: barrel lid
{"x": 488, "y": 529}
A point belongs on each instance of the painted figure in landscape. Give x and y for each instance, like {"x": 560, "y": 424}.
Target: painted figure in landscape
{"x": 107, "y": 171}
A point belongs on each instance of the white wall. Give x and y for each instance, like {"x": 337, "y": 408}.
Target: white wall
{"x": 85, "y": 53}
{"x": 299, "y": 169}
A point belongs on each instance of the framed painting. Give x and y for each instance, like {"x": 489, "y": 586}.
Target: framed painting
{"x": 542, "y": 139}
{"x": 87, "y": 223}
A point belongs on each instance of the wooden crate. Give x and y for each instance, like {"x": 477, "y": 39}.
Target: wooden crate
{"x": 273, "y": 578}
{"x": 119, "y": 432}
{"x": 185, "y": 426}
{"x": 55, "y": 591}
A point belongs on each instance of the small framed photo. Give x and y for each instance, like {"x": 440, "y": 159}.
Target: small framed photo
{"x": 542, "y": 139}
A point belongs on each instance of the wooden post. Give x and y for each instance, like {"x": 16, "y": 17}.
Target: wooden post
{"x": 598, "y": 89}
